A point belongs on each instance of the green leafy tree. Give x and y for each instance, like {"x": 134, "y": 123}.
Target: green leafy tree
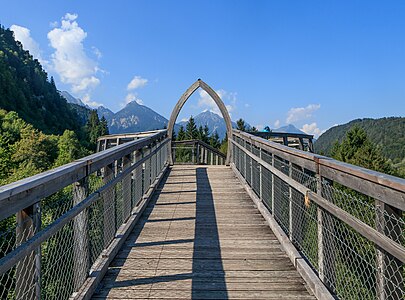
{"x": 69, "y": 148}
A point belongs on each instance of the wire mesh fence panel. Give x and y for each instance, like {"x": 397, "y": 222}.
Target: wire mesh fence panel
{"x": 350, "y": 264}
{"x": 76, "y": 233}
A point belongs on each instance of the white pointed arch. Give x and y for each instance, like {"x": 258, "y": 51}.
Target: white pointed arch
{"x": 183, "y": 99}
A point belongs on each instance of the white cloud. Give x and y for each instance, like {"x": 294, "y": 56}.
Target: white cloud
{"x": 136, "y": 83}
{"x": 53, "y": 24}
{"x": 247, "y": 105}
{"x": 277, "y": 124}
{"x": 301, "y": 113}
{"x": 96, "y": 52}
{"x": 312, "y": 129}
{"x": 70, "y": 60}
{"x": 87, "y": 100}
{"x": 23, "y": 35}
{"x": 259, "y": 127}
{"x": 205, "y": 101}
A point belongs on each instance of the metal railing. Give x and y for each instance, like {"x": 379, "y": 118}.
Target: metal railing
{"x": 60, "y": 229}
{"x": 196, "y": 152}
{"x": 346, "y": 221}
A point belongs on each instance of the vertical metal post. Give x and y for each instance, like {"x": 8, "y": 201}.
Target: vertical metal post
{"x": 81, "y": 254}
{"x": 28, "y": 270}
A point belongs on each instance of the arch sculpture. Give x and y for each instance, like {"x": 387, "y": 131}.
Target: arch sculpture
{"x": 183, "y": 99}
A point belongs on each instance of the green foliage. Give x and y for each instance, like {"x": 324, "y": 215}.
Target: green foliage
{"x": 181, "y": 136}
{"x": 191, "y": 129}
{"x": 26, "y": 151}
{"x": 95, "y": 128}
{"x": 214, "y": 140}
{"x": 25, "y": 89}
{"x": 386, "y": 133}
{"x": 241, "y": 125}
{"x": 357, "y": 149}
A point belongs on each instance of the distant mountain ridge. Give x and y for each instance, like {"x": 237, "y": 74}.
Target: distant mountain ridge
{"x": 132, "y": 118}
{"x": 387, "y": 133}
{"x": 214, "y": 122}
{"x": 70, "y": 99}
{"x": 289, "y": 129}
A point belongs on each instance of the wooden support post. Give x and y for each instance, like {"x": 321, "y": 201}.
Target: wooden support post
{"x": 109, "y": 214}
{"x": 310, "y": 146}
{"x": 212, "y": 157}
{"x": 291, "y": 205}
{"x": 321, "y": 259}
{"x": 217, "y": 159}
{"x": 28, "y": 270}
{"x": 81, "y": 254}
{"x": 197, "y": 161}
{"x": 174, "y": 154}
{"x": 390, "y": 278}
{"x": 206, "y": 156}
{"x": 285, "y": 140}
{"x": 272, "y": 187}
{"x": 301, "y": 141}
{"x": 260, "y": 177}
{"x": 126, "y": 189}
{"x": 192, "y": 153}
{"x": 137, "y": 178}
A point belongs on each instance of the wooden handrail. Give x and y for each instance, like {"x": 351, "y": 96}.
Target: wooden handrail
{"x": 18, "y": 195}
{"x": 386, "y": 188}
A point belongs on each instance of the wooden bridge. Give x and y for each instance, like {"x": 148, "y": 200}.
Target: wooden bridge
{"x": 266, "y": 221}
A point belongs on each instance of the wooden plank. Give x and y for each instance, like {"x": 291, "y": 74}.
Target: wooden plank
{"x": 198, "y": 249}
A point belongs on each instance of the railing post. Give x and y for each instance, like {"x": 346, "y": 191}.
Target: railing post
{"x": 216, "y": 159}
{"x": 81, "y": 259}
{"x": 290, "y": 205}
{"x": 272, "y": 187}
{"x": 109, "y": 206}
{"x": 126, "y": 189}
{"x": 260, "y": 177}
{"x": 198, "y": 154}
{"x": 321, "y": 259}
{"x": 206, "y": 156}
{"x": 212, "y": 157}
{"x": 388, "y": 266}
{"x": 28, "y": 270}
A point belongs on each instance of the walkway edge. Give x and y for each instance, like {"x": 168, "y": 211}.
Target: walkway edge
{"x": 312, "y": 280}
{"x": 101, "y": 265}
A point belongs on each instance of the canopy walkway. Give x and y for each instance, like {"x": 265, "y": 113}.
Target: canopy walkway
{"x": 266, "y": 221}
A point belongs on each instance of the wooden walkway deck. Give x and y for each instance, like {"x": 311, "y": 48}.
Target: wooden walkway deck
{"x": 202, "y": 238}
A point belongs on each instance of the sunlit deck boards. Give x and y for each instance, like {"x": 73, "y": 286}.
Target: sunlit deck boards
{"x": 202, "y": 238}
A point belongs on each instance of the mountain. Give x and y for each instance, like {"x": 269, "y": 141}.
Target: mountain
{"x": 212, "y": 120}
{"x": 104, "y": 112}
{"x": 387, "y": 133}
{"x": 132, "y": 118}
{"x": 26, "y": 89}
{"x": 289, "y": 129}
{"x": 70, "y": 99}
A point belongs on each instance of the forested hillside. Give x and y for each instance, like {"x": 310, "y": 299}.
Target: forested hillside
{"x": 387, "y": 133}
{"x": 26, "y": 89}
{"x": 39, "y": 130}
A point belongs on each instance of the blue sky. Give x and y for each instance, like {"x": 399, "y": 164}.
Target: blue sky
{"x": 311, "y": 63}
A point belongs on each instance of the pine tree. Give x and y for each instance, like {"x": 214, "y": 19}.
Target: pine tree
{"x": 214, "y": 140}
{"x": 241, "y": 125}
{"x": 182, "y": 134}
{"x": 191, "y": 129}
{"x": 103, "y": 126}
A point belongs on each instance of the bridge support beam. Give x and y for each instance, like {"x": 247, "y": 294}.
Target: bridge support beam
{"x": 28, "y": 270}
{"x": 81, "y": 255}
